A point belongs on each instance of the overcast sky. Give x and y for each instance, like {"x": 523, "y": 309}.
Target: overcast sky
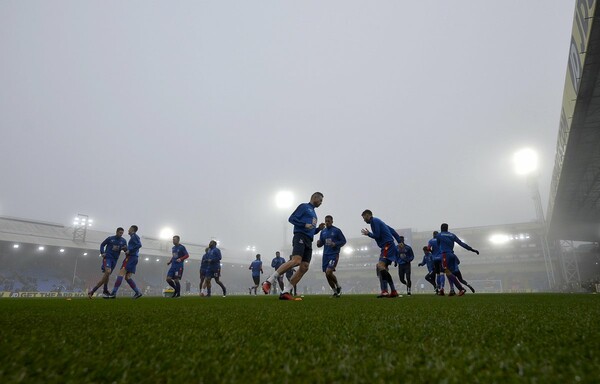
{"x": 193, "y": 115}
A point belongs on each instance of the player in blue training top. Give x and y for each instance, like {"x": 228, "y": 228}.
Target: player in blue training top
{"x": 405, "y": 257}
{"x": 129, "y": 264}
{"x": 277, "y": 262}
{"x": 256, "y": 268}
{"x": 304, "y": 219}
{"x": 436, "y": 256}
{"x": 204, "y": 270}
{"x": 456, "y": 272}
{"x": 214, "y": 269}
{"x": 428, "y": 261}
{"x": 382, "y": 234}
{"x": 179, "y": 254}
{"x": 445, "y": 241}
{"x": 110, "y": 250}
{"x": 333, "y": 240}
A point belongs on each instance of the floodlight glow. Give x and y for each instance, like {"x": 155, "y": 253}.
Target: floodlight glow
{"x": 499, "y": 239}
{"x": 40, "y": 248}
{"x": 61, "y": 250}
{"x": 526, "y": 161}
{"x": 348, "y": 250}
{"x": 157, "y": 259}
{"x": 15, "y": 246}
{"x": 147, "y": 258}
{"x": 166, "y": 233}
{"x": 90, "y": 221}
{"x": 84, "y": 253}
{"x": 284, "y": 199}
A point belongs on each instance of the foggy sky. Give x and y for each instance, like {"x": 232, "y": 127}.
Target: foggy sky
{"x": 194, "y": 115}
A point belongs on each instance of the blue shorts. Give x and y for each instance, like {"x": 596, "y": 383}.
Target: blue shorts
{"x": 214, "y": 273}
{"x": 389, "y": 253}
{"x": 302, "y": 246}
{"x": 449, "y": 261}
{"x": 330, "y": 262}
{"x": 108, "y": 263}
{"x": 175, "y": 272}
{"x": 130, "y": 263}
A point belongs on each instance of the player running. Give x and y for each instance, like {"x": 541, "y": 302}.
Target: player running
{"x": 277, "y": 262}
{"x": 445, "y": 241}
{"x": 110, "y": 250}
{"x": 129, "y": 264}
{"x": 256, "y": 268}
{"x": 177, "y": 261}
{"x": 382, "y": 234}
{"x": 405, "y": 257}
{"x": 428, "y": 261}
{"x": 333, "y": 240}
{"x": 304, "y": 219}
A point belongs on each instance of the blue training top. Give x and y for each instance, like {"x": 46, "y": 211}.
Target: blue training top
{"x": 256, "y": 266}
{"x": 113, "y": 246}
{"x": 305, "y": 214}
{"x": 134, "y": 245}
{"x": 333, "y": 240}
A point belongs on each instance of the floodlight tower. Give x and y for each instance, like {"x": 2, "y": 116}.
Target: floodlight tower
{"x": 80, "y": 226}
{"x": 284, "y": 201}
{"x": 526, "y": 164}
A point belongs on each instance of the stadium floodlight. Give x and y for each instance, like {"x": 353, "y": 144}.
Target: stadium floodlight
{"x": 284, "y": 199}
{"x": 147, "y": 259}
{"x": 157, "y": 259}
{"x": 15, "y": 246}
{"x": 166, "y": 233}
{"x": 41, "y": 248}
{"x": 62, "y": 250}
{"x": 84, "y": 253}
{"x": 525, "y": 161}
{"x": 499, "y": 239}
{"x": 251, "y": 248}
{"x": 348, "y": 250}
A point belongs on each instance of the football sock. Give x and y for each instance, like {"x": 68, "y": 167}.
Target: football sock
{"x": 132, "y": 285}
{"x": 117, "y": 284}
{"x": 171, "y": 283}
{"x": 177, "y": 287}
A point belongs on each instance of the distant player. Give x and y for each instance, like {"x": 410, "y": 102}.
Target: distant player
{"x": 436, "y": 256}
{"x": 304, "y": 219}
{"x": 333, "y": 240}
{"x": 204, "y": 270}
{"x": 405, "y": 257}
{"x": 382, "y": 234}
{"x": 214, "y": 268}
{"x": 110, "y": 250}
{"x": 256, "y": 268}
{"x": 179, "y": 254}
{"x": 129, "y": 264}
{"x": 277, "y": 262}
{"x": 445, "y": 241}
{"x": 428, "y": 261}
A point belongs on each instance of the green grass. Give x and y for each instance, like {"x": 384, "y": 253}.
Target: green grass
{"x": 537, "y": 338}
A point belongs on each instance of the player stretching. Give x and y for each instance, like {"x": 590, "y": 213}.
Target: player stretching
{"x": 277, "y": 262}
{"x": 214, "y": 268}
{"x": 428, "y": 261}
{"x": 389, "y": 252}
{"x": 110, "y": 249}
{"x": 176, "y": 271}
{"x": 436, "y": 256}
{"x": 333, "y": 240}
{"x": 129, "y": 264}
{"x": 445, "y": 241}
{"x": 405, "y": 257}
{"x": 304, "y": 219}
{"x": 256, "y": 268}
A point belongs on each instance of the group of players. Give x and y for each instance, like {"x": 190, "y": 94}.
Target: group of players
{"x": 439, "y": 252}
{"x": 438, "y": 256}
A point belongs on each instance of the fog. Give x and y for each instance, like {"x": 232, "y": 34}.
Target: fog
{"x": 193, "y": 115}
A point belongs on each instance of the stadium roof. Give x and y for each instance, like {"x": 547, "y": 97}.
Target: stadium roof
{"x": 574, "y": 205}
{"x": 20, "y": 230}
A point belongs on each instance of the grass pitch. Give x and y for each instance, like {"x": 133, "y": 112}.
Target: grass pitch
{"x": 537, "y": 338}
